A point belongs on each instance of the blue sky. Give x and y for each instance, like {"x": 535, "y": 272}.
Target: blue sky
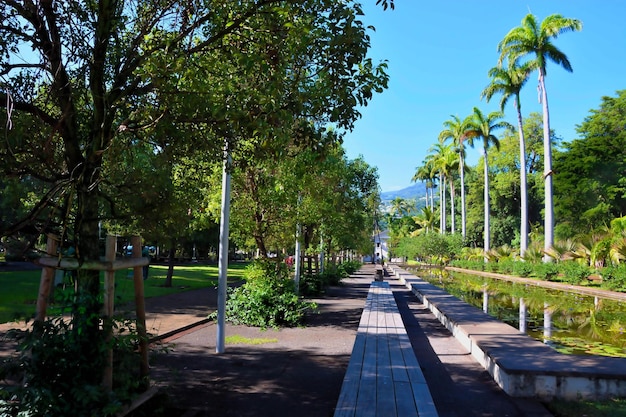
{"x": 439, "y": 53}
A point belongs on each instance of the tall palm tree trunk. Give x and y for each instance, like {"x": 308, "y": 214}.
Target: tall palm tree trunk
{"x": 523, "y": 183}
{"x": 462, "y": 168}
{"x": 487, "y": 226}
{"x": 432, "y": 198}
{"x": 452, "y": 219}
{"x": 442, "y": 204}
{"x": 547, "y": 171}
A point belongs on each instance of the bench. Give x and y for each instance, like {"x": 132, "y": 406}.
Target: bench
{"x": 383, "y": 377}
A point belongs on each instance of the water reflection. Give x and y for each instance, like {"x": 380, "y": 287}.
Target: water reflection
{"x": 569, "y": 322}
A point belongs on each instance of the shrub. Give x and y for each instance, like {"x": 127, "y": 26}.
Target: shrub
{"x": 546, "y": 270}
{"x": 574, "y": 272}
{"x": 60, "y": 382}
{"x": 333, "y": 274}
{"x": 491, "y": 266}
{"x": 505, "y": 266}
{"x": 614, "y": 277}
{"x": 311, "y": 284}
{"x": 476, "y": 265}
{"x": 350, "y": 267}
{"x": 522, "y": 269}
{"x": 267, "y": 301}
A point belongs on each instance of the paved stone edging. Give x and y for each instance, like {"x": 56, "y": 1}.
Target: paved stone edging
{"x": 519, "y": 364}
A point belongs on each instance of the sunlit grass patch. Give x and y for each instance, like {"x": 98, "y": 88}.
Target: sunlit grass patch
{"x": 241, "y": 340}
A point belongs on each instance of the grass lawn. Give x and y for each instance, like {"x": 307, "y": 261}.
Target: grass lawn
{"x": 18, "y": 297}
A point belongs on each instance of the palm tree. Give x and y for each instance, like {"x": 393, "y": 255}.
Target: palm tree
{"x": 509, "y": 83}
{"x": 444, "y": 160}
{"x": 426, "y": 220}
{"x": 482, "y": 127}
{"x": 429, "y": 164}
{"x": 449, "y": 164}
{"x": 535, "y": 40}
{"x": 423, "y": 173}
{"x": 400, "y": 207}
{"x": 455, "y": 129}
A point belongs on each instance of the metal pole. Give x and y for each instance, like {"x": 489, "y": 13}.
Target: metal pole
{"x": 321, "y": 253}
{"x": 223, "y": 253}
{"x": 296, "y": 278}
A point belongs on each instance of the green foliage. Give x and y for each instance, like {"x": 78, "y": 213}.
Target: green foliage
{"x": 546, "y": 270}
{"x": 506, "y": 266}
{"x": 614, "y": 277}
{"x": 574, "y": 272}
{"x": 492, "y": 266}
{"x": 267, "y": 300}
{"x": 522, "y": 269}
{"x": 62, "y": 379}
{"x": 590, "y": 188}
{"x": 431, "y": 246}
{"x": 473, "y": 264}
{"x": 314, "y": 284}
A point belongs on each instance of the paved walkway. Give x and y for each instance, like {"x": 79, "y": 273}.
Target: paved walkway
{"x": 299, "y": 371}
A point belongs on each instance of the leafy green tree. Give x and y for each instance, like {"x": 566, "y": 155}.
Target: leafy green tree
{"x": 431, "y": 247}
{"x": 107, "y": 82}
{"x": 590, "y": 184}
{"x": 534, "y": 39}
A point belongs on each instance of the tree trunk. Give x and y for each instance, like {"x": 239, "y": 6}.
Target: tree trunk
{"x": 523, "y": 183}
{"x": 432, "y": 199}
{"x": 260, "y": 244}
{"x": 308, "y": 237}
{"x": 487, "y": 228}
{"x": 547, "y": 172}
{"x": 452, "y": 219}
{"x": 87, "y": 311}
{"x": 442, "y": 204}
{"x": 462, "y": 169}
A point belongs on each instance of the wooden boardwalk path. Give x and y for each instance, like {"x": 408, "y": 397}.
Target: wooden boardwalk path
{"x": 383, "y": 377}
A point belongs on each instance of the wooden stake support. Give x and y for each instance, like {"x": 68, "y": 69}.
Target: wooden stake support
{"x": 109, "y": 265}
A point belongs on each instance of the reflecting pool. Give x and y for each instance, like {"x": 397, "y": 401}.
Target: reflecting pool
{"x": 569, "y": 322}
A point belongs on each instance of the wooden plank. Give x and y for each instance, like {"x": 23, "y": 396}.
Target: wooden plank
{"x": 385, "y": 397}
{"x": 398, "y": 366}
{"x": 405, "y": 401}
{"x": 346, "y": 403}
{"x": 383, "y": 376}
{"x": 424, "y": 400}
{"x": 72, "y": 263}
{"x": 366, "y": 397}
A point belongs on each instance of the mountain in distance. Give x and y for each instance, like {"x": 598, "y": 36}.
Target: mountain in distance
{"x": 415, "y": 192}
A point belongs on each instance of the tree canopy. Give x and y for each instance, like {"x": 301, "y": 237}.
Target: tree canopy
{"x": 114, "y": 108}
{"x": 591, "y": 171}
